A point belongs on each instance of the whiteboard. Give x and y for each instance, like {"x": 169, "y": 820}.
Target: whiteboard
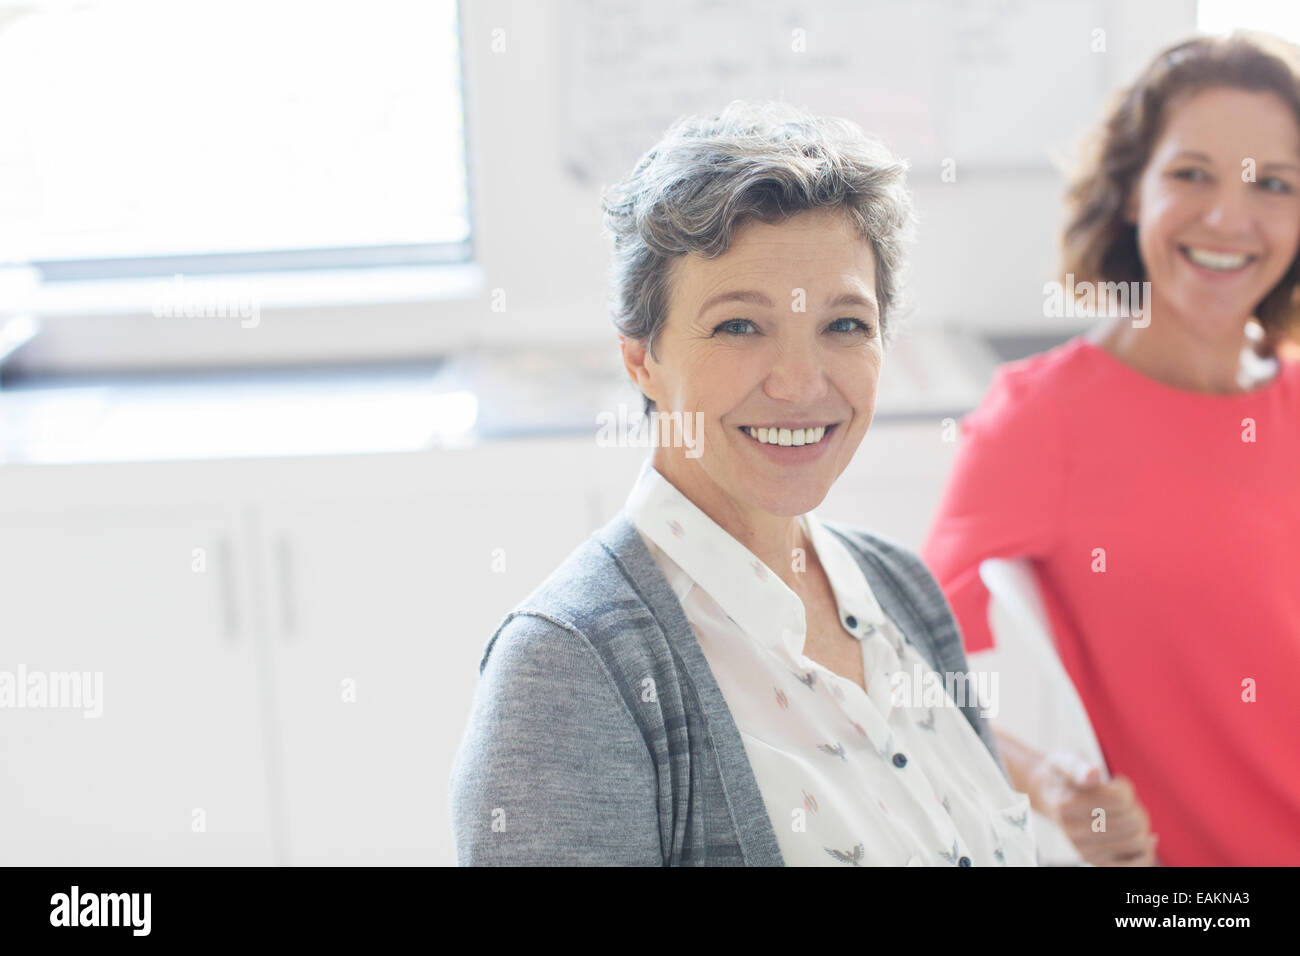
{"x": 985, "y": 83}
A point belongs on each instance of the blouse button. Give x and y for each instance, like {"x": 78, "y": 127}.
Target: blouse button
{"x": 851, "y": 621}
{"x": 900, "y": 760}
{"x": 964, "y": 861}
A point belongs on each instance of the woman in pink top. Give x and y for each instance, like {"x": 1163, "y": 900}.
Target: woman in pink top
{"x": 1150, "y": 471}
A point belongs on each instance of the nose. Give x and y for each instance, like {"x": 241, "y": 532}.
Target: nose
{"x": 797, "y": 375}
{"x": 1229, "y": 211}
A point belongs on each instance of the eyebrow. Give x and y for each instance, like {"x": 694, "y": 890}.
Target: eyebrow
{"x": 753, "y": 297}
{"x": 1271, "y": 164}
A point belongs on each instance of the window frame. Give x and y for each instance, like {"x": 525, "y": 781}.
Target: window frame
{"x": 116, "y": 295}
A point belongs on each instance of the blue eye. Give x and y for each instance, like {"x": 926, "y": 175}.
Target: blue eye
{"x": 1280, "y": 185}
{"x": 1191, "y": 174}
{"x": 858, "y": 326}
{"x": 729, "y": 327}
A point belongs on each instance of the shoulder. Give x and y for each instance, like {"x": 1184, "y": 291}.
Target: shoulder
{"x": 561, "y": 658}
{"x": 558, "y": 611}
{"x": 1058, "y": 365}
{"x": 555, "y": 740}
{"x": 1025, "y": 413}
{"x": 592, "y": 599}
{"x": 1037, "y": 386}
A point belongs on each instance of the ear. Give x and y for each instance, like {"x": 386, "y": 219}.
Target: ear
{"x": 638, "y": 361}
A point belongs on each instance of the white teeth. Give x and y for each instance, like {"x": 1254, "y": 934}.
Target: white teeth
{"x": 787, "y": 436}
{"x": 1225, "y": 261}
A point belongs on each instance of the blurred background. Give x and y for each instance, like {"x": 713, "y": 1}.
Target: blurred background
{"x": 304, "y": 340}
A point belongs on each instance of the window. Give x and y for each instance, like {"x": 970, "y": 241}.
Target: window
{"x": 1224, "y": 16}
{"x": 154, "y": 137}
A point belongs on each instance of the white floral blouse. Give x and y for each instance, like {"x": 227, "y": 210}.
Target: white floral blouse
{"x": 849, "y": 778}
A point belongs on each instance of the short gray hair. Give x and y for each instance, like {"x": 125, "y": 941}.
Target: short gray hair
{"x": 711, "y": 174}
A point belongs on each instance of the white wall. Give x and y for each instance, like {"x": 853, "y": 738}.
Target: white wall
{"x": 987, "y": 242}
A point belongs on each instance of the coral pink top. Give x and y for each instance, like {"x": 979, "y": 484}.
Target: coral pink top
{"x": 1164, "y": 527}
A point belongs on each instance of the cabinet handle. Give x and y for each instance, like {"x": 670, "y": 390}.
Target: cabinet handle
{"x": 226, "y": 587}
{"x": 284, "y": 569}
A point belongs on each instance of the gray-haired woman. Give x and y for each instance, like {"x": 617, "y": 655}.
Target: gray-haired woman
{"x": 719, "y": 677}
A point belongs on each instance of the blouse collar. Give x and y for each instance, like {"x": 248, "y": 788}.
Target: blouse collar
{"x": 746, "y": 589}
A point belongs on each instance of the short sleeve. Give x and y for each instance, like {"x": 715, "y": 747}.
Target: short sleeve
{"x": 553, "y": 769}
{"x": 1003, "y": 496}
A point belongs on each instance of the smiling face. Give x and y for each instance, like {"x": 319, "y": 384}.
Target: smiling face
{"x": 1212, "y": 242}
{"x": 735, "y": 349}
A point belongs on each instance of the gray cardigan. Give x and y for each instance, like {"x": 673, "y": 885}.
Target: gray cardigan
{"x": 598, "y": 734}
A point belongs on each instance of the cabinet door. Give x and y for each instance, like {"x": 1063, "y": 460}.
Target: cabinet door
{"x": 381, "y": 610}
{"x": 150, "y": 607}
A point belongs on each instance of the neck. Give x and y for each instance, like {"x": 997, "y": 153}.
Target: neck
{"x": 771, "y": 538}
{"x": 1177, "y": 351}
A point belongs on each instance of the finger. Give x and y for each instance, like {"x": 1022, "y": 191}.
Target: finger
{"x": 1144, "y": 855}
{"x": 1114, "y": 791}
{"x": 1108, "y": 844}
{"x": 1077, "y": 770}
{"x": 1123, "y": 787}
{"x": 1126, "y": 833}
{"x": 1081, "y": 812}
{"x": 1115, "y": 801}
{"x": 1119, "y": 829}
{"x": 1147, "y": 858}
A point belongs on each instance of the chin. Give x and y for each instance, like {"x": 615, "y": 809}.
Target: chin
{"x": 788, "y": 502}
{"x": 1210, "y": 311}
{"x": 1213, "y": 318}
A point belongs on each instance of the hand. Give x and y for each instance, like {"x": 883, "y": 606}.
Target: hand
{"x": 1068, "y": 790}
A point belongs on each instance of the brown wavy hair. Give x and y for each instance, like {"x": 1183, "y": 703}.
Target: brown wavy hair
{"x": 1096, "y": 243}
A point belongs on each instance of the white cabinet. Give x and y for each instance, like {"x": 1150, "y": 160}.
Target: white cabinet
{"x": 381, "y": 610}
{"x": 150, "y": 607}
{"x": 307, "y": 688}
